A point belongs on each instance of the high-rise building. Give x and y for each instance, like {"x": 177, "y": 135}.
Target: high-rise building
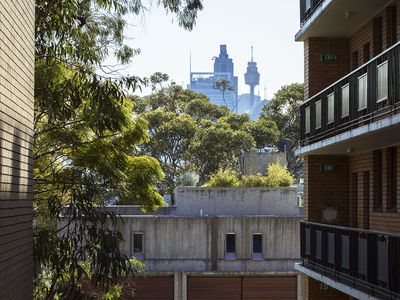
{"x": 17, "y": 58}
{"x": 204, "y": 82}
{"x": 350, "y": 141}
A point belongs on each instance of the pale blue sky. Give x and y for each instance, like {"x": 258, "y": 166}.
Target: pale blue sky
{"x": 268, "y": 25}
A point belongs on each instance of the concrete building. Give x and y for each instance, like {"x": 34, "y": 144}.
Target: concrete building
{"x": 203, "y": 82}
{"x": 257, "y": 162}
{"x": 219, "y": 243}
{"x": 350, "y": 141}
{"x": 17, "y": 57}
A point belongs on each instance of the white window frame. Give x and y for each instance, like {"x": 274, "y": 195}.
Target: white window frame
{"x": 307, "y": 119}
{"x": 319, "y": 102}
{"x": 333, "y": 108}
{"x": 366, "y": 92}
{"x": 348, "y": 100}
{"x": 385, "y": 63}
{"x": 137, "y": 255}
{"x": 307, "y": 7}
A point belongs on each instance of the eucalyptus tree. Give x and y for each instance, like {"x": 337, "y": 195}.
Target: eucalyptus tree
{"x": 85, "y": 142}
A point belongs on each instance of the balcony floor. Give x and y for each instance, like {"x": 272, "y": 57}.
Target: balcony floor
{"x": 382, "y": 133}
{"x": 330, "y": 281}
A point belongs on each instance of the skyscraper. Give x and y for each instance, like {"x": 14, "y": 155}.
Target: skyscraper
{"x": 204, "y": 82}
{"x": 252, "y": 78}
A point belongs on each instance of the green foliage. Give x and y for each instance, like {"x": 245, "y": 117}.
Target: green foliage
{"x": 223, "y": 86}
{"x": 223, "y": 179}
{"x": 86, "y": 140}
{"x": 284, "y": 110}
{"x": 188, "y": 179}
{"x": 257, "y": 180}
{"x": 279, "y": 175}
{"x": 188, "y": 133}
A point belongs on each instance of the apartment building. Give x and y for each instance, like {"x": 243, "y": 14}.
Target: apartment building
{"x": 216, "y": 243}
{"x": 16, "y": 134}
{"x": 350, "y": 141}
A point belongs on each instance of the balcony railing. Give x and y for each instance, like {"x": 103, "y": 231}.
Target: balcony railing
{"x": 367, "y": 94}
{"x": 366, "y": 260}
{"x": 307, "y": 7}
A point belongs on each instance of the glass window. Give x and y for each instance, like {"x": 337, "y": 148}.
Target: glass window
{"x": 362, "y": 92}
{"x": 137, "y": 243}
{"x": 318, "y": 114}
{"x": 257, "y": 243}
{"x": 331, "y": 108}
{"x": 307, "y": 119}
{"x": 308, "y": 4}
{"x": 345, "y": 100}
{"x": 382, "y": 81}
{"x": 230, "y": 243}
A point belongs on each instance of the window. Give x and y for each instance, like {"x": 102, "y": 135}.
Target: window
{"x": 382, "y": 81}
{"x": 391, "y": 25}
{"x": 230, "y": 244}
{"x": 307, "y": 119}
{"x": 318, "y": 114}
{"x": 345, "y": 100}
{"x": 367, "y": 55}
{"x": 137, "y": 244}
{"x": 391, "y": 177}
{"x": 331, "y": 108}
{"x": 355, "y": 60}
{"x": 377, "y": 35}
{"x": 308, "y": 4}
{"x": 378, "y": 180}
{"x": 257, "y": 243}
{"x": 362, "y": 92}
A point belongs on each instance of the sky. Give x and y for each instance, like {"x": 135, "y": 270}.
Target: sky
{"x": 268, "y": 25}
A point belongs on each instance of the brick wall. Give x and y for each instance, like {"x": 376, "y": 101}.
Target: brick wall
{"x": 325, "y": 188}
{"x": 16, "y": 132}
{"x": 318, "y": 74}
{"x": 386, "y": 220}
{"x": 314, "y": 290}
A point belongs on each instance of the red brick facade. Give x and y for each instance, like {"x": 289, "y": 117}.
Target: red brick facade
{"x": 351, "y": 187}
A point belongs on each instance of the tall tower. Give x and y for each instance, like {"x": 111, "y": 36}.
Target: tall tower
{"x": 252, "y": 77}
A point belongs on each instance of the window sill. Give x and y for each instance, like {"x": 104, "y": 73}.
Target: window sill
{"x": 230, "y": 256}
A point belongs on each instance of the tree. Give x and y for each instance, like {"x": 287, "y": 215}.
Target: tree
{"x": 284, "y": 110}
{"x": 223, "y": 86}
{"x": 85, "y": 142}
{"x": 170, "y": 139}
{"x": 188, "y": 133}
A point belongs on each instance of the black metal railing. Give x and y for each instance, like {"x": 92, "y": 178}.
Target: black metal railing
{"x": 307, "y": 8}
{"x": 374, "y": 110}
{"x": 366, "y": 260}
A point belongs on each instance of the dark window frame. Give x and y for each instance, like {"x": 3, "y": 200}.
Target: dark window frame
{"x": 230, "y": 243}
{"x": 257, "y": 248}
{"x": 378, "y": 179}
{"x": 391, "y": 178}
{"x": 134, "y": 242}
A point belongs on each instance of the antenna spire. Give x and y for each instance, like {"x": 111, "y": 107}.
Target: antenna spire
{"x": 251, "y": 53}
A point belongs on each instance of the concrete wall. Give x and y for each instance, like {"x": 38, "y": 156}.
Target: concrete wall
{"x": 197, "y": 244}
{"x": 190, "y": 201}
{"x": 258, "y": 162}
{"x": 16, "y": 134}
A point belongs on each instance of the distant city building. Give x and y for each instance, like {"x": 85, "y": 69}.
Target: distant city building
{"x": 203, "y": 82}
{"x": 252, "y": 77}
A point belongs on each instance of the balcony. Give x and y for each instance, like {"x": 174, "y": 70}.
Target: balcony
{"x": 364, "y": 262}
{"x": 307, "y": 8}
{"x": 353, "y": 104}
{"x": 336, "y": 18}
